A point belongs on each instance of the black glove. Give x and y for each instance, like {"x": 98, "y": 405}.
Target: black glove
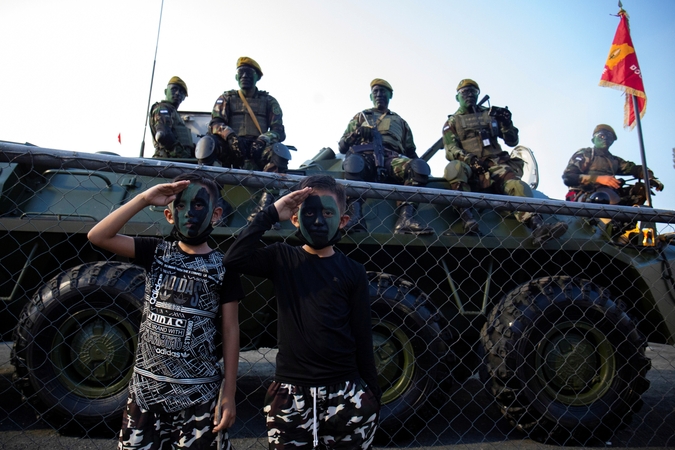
{"x": 257, "y": 148}
{"x": 503, "y": 116}
{"x": 656, "y": 183}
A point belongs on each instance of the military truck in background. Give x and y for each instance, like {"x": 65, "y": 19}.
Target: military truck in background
{"x": 557, "y": 332}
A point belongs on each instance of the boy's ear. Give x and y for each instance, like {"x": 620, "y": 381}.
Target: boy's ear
{"x": 343, "y": 221}
{"x": 215, "y": 217}
{"x": 295, "y": 221}
{"x": 169, "y": 215}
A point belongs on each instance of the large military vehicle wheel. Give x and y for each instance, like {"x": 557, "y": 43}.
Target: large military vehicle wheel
{"x": 564, "y": 362}
{"x": 408, "y": 348}
{"x": 75, "y": 342}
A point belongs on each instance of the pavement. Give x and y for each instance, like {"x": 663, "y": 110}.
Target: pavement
{"x": 469, "y": 419}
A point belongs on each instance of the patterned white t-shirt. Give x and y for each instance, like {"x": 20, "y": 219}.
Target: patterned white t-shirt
{"x": 176, "y": 361}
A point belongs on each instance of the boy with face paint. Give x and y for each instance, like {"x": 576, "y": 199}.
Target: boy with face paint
{"x": 177, "y": 392}
{"x": 325, "y": 388}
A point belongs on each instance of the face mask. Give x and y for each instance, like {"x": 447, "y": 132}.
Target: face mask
{"x": 192, "y": 211}
{"x": 319, "y": 218}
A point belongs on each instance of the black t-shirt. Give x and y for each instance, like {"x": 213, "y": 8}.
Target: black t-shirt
{"x": 324, "y": 331}
{"x": 176, "y": 361}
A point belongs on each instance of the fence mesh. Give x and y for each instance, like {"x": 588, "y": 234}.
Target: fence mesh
{"x": 485, "y": 338}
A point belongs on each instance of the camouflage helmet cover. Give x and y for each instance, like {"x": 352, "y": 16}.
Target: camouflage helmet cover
{"x": 602, "y": 126}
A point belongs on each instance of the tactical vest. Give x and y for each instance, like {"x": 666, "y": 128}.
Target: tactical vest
{"x": 178, "y": 127}
{"x": 239, "y": 118}
{"x": 473, "y": 128}
{"x": 391, "y": 128}
{"x": 599, "y": 163}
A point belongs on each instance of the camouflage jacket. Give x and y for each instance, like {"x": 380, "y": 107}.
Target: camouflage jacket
{"x": 396, "y": 133}
{"x": 230, "y": 112}
{"x": 462, "y": 141}
{"x": 176, "y": 138}
{"x": 588, "y": 163}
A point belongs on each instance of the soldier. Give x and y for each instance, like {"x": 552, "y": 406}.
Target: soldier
{"x": 245, "y": 125}
{"x": 379, "y": 147}
{"x": 478, "y": 163}
{"x": 172, "y": 139}
{"x": 593, "y": 171}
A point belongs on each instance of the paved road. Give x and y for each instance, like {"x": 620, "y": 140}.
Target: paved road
{"x": 468, "y": 420}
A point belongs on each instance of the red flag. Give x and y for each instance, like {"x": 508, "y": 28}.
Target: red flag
{"x": 119, "y": 138}
{"x": 622, "y": 72}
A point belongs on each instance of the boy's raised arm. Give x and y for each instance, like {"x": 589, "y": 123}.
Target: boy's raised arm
{"x": 105, "y": 233}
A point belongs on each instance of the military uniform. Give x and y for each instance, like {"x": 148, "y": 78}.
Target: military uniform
{"x": 231, "y": 115}
{"x": 400, "y": 164}
{"x": 397, "y": 141}
{"x": 478, "y": 163}
{"x": 587, "y": 164}
{"x": 177, "y": 138}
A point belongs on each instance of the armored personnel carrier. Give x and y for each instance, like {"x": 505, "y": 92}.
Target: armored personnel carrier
{"x": 557, "y": 331}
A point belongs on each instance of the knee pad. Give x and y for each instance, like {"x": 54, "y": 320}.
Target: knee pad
{"x": 517, "y": 188}
{"x": 279, "y": 161}
{"x": 354, "y": 166}
{"x": 206, "y": 150}
{"x": 457, "y": 172}
{"x": 418, "y": 172}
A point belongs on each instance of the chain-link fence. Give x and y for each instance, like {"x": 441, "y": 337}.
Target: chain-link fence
{"x": 478, "y": 338}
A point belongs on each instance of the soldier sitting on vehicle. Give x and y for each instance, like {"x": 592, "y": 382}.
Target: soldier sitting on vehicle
{"x": 379, "y": 147}
{"x": 478, "y": 163}
{"x": 591, "y": 174}
{"x": 170, "y": 135}
{"x": 246, "y": 129}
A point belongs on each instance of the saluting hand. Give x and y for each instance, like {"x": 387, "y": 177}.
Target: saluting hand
{"x": 163, "y": 194}
{"x": 290, "y": 204}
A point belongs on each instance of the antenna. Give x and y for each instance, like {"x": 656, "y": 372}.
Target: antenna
{"x": 152, "y": 78}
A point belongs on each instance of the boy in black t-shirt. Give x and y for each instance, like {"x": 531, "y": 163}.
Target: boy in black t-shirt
{"x": 325, "y": 386}
{"x": 173, "y": 393}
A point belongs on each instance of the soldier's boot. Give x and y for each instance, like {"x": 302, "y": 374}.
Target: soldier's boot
{"x": 357, "y": 223}
{"x": 265, "y": 200}
{"x": 470, "y": 224}
{"x": 543, "y": 232}
{"x": 407, "y": 223}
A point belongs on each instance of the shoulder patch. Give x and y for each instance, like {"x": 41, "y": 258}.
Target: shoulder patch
{"x": 578, "y": 158}
{"x": 219, "y": 101}
{"x": 276, "y": 110}
{"x": 164, "y": 111}
{"x": 446, "y": 127}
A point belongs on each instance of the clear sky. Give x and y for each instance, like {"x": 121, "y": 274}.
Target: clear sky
{"x": 77, "y": 73}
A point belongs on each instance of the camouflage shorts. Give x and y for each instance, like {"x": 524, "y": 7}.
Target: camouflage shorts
{"x": 346, "y": 416}
{"x": 190, "y": 428}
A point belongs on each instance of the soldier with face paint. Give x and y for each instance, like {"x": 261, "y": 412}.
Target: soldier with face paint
{"x": 177, "y": 388}
{"x": 246, "y": 129}
{"x": 594, "y": 170}
{"x": 398, "y": 162}
{"x": 171, "y": 137}
{"x": 477, "y": 162}
{"x": 325, "y": 389}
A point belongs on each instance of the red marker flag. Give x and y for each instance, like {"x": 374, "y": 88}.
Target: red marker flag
{"x": 622, "y": 71}
{"x": 119, "y": 138}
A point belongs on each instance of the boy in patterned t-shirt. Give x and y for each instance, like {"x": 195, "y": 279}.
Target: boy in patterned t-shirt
{"x": 173, "y": 393}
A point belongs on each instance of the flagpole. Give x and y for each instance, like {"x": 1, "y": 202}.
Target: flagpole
{"x": 645, "y": 170}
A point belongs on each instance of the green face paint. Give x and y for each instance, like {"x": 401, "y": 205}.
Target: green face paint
{"x": 319, "y": 218}
{"x": 192, "y": 210}
{"x": 175, "y": 94}
{"x": 603, "y": 139}
{"x": 467, "y": 97}
{"x": 247, "y": 77}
